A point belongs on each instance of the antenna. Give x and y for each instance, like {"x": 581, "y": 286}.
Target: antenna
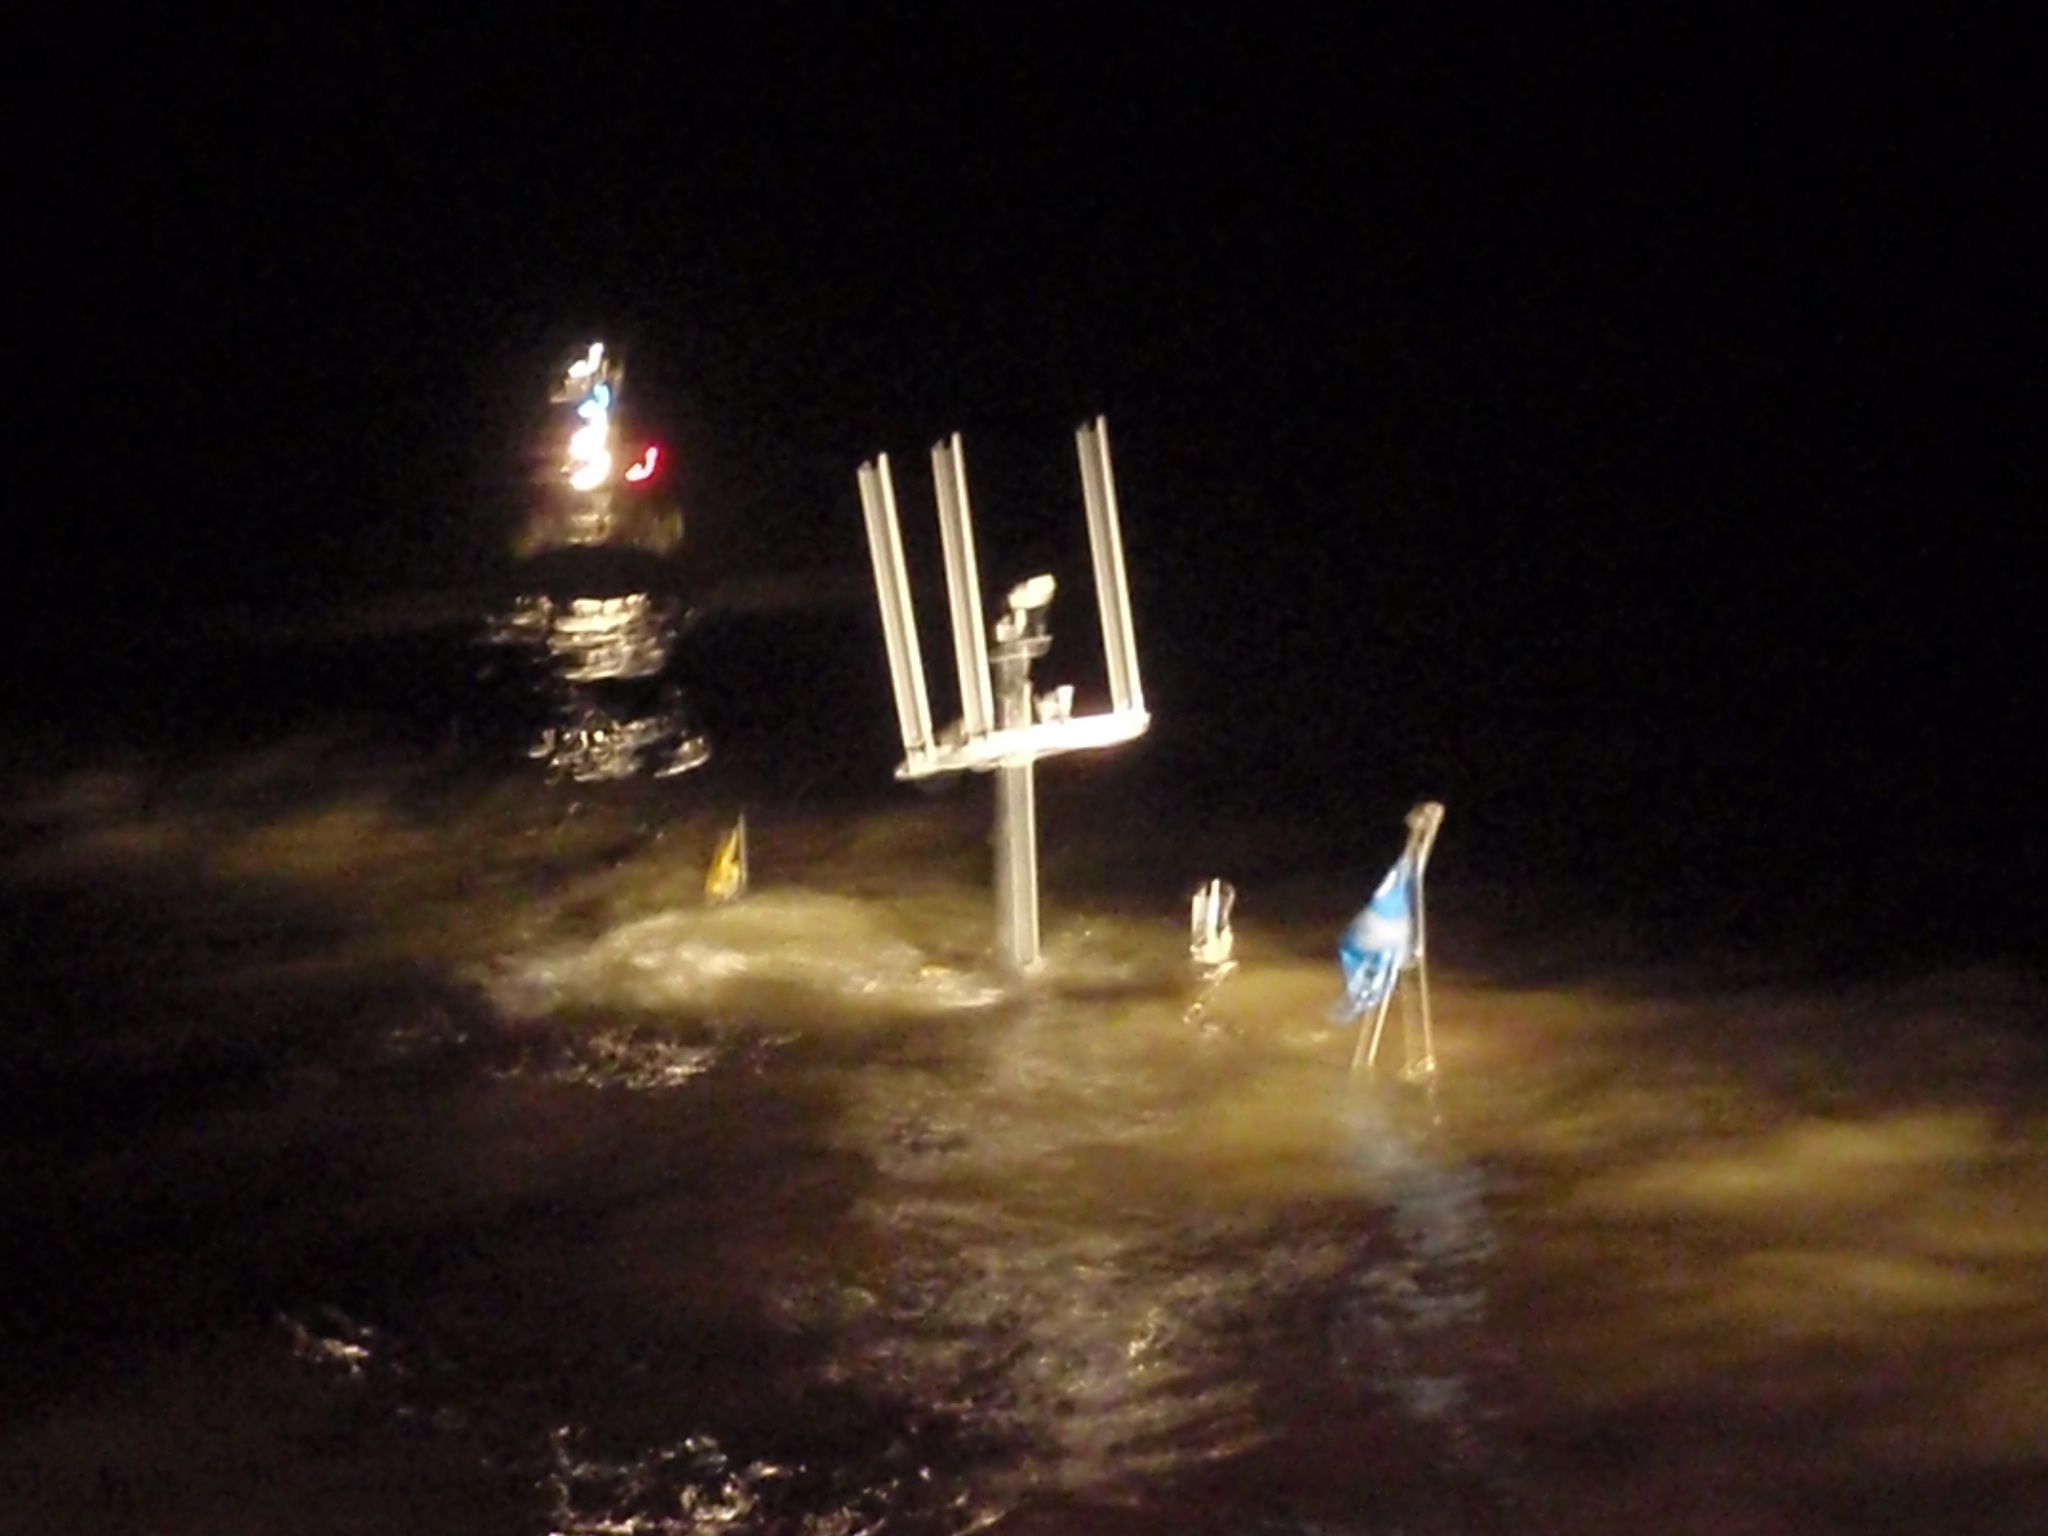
{"x": 1003, "y": 728}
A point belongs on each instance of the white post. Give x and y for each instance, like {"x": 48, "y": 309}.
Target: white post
{"x": 963, "y": 585}
{"x": 899, "y": 622}
{"x": 1106, "y": 545}
{"x": 1016, "y": 830}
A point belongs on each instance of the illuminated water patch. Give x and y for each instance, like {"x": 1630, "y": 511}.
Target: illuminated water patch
{"x": 776, "y": 952}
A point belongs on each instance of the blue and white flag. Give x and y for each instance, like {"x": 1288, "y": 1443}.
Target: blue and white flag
{"x": 1380, "y": 940}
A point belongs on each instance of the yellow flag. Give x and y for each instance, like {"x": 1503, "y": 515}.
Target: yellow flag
{"x": 726, "y": 879}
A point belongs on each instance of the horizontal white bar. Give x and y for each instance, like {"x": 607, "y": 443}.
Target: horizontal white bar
{"x": 1025, "y": 744}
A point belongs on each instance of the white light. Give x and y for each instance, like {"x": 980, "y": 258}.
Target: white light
{"x": 591, "y": 361}
{"x": 1033, "y": 594}
{"x": 592, "y": 473}
{"x": 590, "y": 445}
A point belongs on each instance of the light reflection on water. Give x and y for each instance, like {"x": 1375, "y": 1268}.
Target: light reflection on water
{"x": 1052, "y": 1257}
{"x": 603, "y": 667}
{"x": 794, "y": 1215}
{"x": 812, "y": 951}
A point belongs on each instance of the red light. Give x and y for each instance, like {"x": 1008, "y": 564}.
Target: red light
{"x": 646, "y": 465}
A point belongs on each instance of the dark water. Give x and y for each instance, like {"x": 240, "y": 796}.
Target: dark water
{"x": 398, "y": 1141}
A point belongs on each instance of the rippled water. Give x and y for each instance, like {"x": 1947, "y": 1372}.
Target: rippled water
{"x": 602, "y": 669}
{"x": 402, "y": 1143}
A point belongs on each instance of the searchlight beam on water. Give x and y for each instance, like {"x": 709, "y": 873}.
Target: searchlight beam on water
{"x": 1003, "y": 728}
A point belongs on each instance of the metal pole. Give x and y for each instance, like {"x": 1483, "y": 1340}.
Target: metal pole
{"x": 899, "y": 622}
{"x": 1370, "y": 1053}
{"x": 1017, "y": 865}
{"x": 1425, "y": 821}
{"x": 1016, "y": 829}
{"x": 963, "y": 585}
{"x": 1106, "y": 545}
{"x": 1425, "y": 1065}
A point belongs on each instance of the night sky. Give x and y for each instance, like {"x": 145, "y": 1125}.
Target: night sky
{"x": 1602, "y": 360}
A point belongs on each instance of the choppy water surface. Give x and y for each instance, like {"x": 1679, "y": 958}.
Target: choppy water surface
{"x": 405, "y": 1149}
{"x": 602, "y": 668}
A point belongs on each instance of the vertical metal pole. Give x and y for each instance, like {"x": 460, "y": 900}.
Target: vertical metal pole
{"x": 963, "y": 586}
{"x": 1106, "y": 545}
{"x": 1426, "y": 820}
{"x": 1016, "y": 830}
{"x": 1017, "y": 865}
{"x": 1371, "y": 1053}
{"x": 899, "y": 622}
{"x": 1424, "y": 1065}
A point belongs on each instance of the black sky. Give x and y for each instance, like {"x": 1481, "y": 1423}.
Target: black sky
{"x": 1598, "y": 343}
